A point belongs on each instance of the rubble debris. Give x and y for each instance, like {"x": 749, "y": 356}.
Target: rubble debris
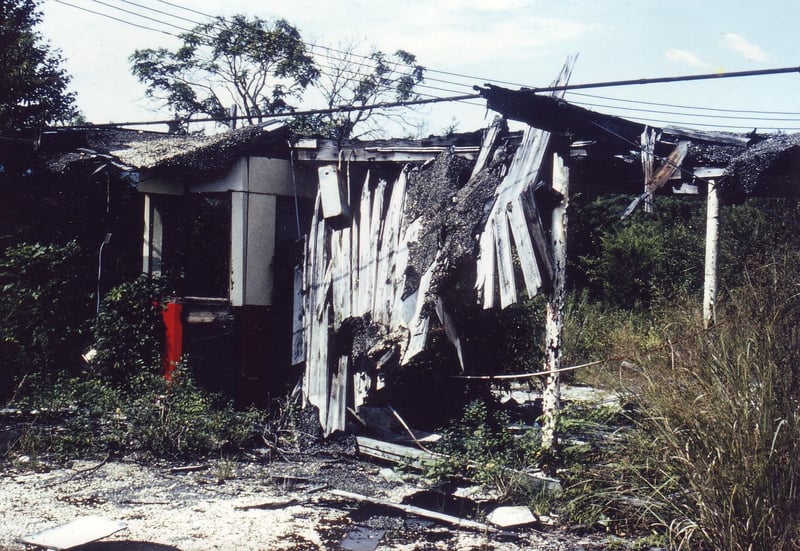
{"x": 362, "y": 538}
{"x": 395, "y": 453}
{"x": 511, "y": 516}
{"x": 78, "y": 532}
{"x": 187, "y": 469}
{"x": 414, "y": 510}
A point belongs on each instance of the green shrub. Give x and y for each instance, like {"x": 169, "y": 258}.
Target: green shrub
{"x": 641, "y": 260}
{"x": 176, "y": 419}
{"x": 128, "y": 330}
{"x": 152, "y": 419}
{"x": 480, "y": 447}
{"x": 45, "y": 308}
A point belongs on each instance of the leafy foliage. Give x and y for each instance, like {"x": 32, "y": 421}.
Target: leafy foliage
{"x": 176, "y": 419}
{"x": 128, "y": 330}
{"x": 34, "y": 91}
{"x": 480, "y": 446}
{"x": 641, "y": 260}
{"x": 44, "y": 311}
{"x": 257, "y": 65}
{"x": 362, "y": 81}
{"x": 90, "y": 416}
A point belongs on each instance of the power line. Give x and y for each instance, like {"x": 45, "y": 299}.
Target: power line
{"x": 659, "y": 80}
{"x": 319, "y": 51}
{"x": 115, "y": 18}
{"x": 137, "y": 14}
{"x": 640, "y": 102}
{"x": 702, "y": 115}
{"x": 343, "y": 109}
{"x": 168, "y": 14}
{"x": 187, "y": 9}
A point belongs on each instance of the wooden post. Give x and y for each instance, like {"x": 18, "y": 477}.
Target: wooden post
{"x": 712, "y": 246}
{"x": 551, "y": 396}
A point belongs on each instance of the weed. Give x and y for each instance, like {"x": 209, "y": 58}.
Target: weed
{"x": 713, "y": 459}
{"x": 480, "y": 447}
{"x": 90, "y": 417}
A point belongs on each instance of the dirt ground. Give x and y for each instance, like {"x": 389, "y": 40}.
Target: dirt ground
{"x": 249, "y": 504}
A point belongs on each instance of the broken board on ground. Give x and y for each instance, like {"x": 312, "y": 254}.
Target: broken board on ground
{"x": 78, "y": 532}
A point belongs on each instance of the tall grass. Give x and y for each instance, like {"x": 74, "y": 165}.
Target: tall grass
{"x": 714, "y": 460}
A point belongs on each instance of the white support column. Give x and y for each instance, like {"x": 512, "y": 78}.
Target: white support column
{"x": 239, "y": 210}
{"x": 551, "y": 396}
{"x": 711, "y": 175}
{"x": 153, "y": 238}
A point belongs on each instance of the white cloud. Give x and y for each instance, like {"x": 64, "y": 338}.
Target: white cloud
{"x": 498, "y": 42}
{"x": 740, "y": 45}
{"x": 684, "y": 57}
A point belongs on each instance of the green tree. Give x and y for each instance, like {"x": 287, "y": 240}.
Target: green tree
{"x": 34, "y": 84}
{"x": 45, "y": 308}
{"x": 352, "y": 79}
{"x": 256, "y": 65}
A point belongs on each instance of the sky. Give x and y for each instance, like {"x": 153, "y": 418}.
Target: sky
{"x": 470, "y": 42}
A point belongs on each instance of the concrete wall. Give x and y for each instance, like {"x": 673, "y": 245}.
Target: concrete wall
{"x": 254, "y": 184}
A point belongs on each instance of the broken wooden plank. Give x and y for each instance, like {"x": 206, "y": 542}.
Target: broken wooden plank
{"x": 388, "y": 276}
{"x": 187, "y": 469}
{"x": 337, "y": 401}
{"x": 450, "y": 330}
{"x": 418, "y": 328}
{"x": 376, "y": 222}
{"x": 485, "y": 267}
{"x": 494, "y": 131}
{"x": 396, "y": 453}
{"x": 505, "y": 264}
{"x": 414, "y": 510}
{"x": 524, "y": 246}
{"x": 340, "y": 257}
{"x": 364, "y": 284}
{"x": 78, "y": 532}
{"x": 671, "y": 164}
{"x": 403, "y": 309}
{"x": 522, "y": 175}
{"x": 271, "y": 505}
{"x": 422, "y": 459}
{"x": 538, "y": 235}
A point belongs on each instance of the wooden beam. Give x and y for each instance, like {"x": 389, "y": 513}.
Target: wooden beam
{"x": 554, "y": 325}
{"x": 418, "y": 511}
{"x": 670, "y": 165}
{"x": 396, "y": 453}
{"x": 494, "y": 131}
{"x": 397, "y": 151}
{"x": 712, "y": 247}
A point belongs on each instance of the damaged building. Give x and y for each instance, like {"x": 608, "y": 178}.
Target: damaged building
{"x": 345, "y": 265}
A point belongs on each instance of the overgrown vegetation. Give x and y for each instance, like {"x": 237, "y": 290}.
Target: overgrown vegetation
{"x": 705, "y": 452}
{"x": 44, "y": 312}
{"x": 117, "y": 404}
{"x": 480, "y": 446}
{"x": 128, "y": 333}
{"x": 87, "y": 416}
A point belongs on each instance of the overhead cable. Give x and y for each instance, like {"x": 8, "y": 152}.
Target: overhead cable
{"x": 342, "y": 109}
